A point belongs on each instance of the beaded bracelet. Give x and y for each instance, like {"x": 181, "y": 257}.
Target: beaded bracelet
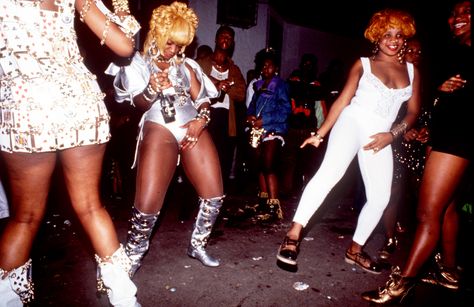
{"x": 121, "y": 6}
{"x": 85, "y": 10}
{"x": 106, "y": 30}
{"x": 205, "y": 114}
{"x": 318, "y": 136}
{"x": 399, "y": 129}
{"x": 149, "y": 94}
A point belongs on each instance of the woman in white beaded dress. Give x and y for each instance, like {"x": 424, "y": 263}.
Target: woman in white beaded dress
{"x": 175, "y": 93}
{"x": 51, "y": 108}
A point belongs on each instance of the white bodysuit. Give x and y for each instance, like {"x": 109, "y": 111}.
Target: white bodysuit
{"x": 372, "y": 110}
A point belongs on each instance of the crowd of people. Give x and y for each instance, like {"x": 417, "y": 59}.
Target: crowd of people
{"x": 299, "y": 135}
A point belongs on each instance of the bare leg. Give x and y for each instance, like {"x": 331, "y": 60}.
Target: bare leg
{"x": 442, "y": 175}
{"x": 30, "y": 177}
{"x": 449, "y": 236}
{"x": 201, "y": 165}
{"x": 157, "y": 161}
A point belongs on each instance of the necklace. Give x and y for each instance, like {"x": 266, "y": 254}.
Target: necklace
{"x": 161, "y": 59}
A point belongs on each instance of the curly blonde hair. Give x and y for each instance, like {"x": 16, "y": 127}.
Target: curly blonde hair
{"x": 175, "y": 22}
{"x": 386, "y": 19}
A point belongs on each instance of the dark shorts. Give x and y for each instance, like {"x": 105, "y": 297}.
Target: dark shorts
{"x": 451, "y": 129}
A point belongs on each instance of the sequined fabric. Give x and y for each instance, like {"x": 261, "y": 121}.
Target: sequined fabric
{"x": 49, "y": 100}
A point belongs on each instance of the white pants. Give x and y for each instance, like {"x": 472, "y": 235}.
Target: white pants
{"x": 3, "y": 203}
{"x": 349, "y": 134}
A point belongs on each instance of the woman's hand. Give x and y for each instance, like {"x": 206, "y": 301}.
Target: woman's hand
{"x": 314, "y": 140}
{"x": 380, "y": 140}
{"x": 452, "y": 84}
{"x": 195, "y": 128}
{"x": 162, "y": 80}
{"x": 254, "y": 121}
{"x": 423, "y": 135}
{"x": 410, "y": 135}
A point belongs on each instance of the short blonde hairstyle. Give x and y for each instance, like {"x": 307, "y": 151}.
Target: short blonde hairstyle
{"x": 386, "y": 19}
{"x": 175, "y": 22}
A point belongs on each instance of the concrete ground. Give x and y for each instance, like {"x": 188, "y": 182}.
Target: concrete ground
{"x": 64, "y": 268}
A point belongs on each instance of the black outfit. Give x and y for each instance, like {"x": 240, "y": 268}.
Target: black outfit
{"x": 451, "y": 124}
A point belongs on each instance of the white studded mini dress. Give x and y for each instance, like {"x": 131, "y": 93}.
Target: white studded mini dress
{"x": 49, "y": 100}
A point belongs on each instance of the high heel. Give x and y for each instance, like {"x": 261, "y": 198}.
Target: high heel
{"x": 396, "y": 290}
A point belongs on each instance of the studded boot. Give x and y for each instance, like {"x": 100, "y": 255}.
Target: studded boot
{"x": 114, "y": 279}
{"x": 208, "y": 212}
{"x": 138, "y": 239}
{"x": 16, "y": 286}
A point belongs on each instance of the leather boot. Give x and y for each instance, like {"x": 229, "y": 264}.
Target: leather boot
{"x": 442, "y": 275}
{"x": 208, "y": 212}
{"x": 16, "y": 286}
{"x": 395, "y": 290}
{"x": 114, "y": 279}
{"x": 138, "y": 239}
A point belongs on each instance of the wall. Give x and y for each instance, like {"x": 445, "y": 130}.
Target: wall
{"x": 296, "y": 40}
{"x": 247, "y": 41}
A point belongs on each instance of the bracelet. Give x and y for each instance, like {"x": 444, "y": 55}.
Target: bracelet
{"x": 106, "y": 30}
{"x": 205, "y": 114}
{"x": 318, "y": 136}
{"x": 85, "y": 10}
{"x": 120, "y": 6}
{"x": 149, "y": 94}
{"x": 399, "y": 129}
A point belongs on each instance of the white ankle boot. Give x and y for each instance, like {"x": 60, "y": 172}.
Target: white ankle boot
{"x": 114, "y": 278}
{"x": 16, "y": 288}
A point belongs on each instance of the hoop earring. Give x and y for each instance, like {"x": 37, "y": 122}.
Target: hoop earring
{"x": 153, "y": 50}
{"x": 401, "y": 52}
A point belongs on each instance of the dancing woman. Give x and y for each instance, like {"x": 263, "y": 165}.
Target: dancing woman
{"x": 52, "y": 108}
{"x": 360, "y": 119}
{"x": 175, "y": 94}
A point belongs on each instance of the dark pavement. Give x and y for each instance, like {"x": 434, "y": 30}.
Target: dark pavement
{"x": 64, "y": 268}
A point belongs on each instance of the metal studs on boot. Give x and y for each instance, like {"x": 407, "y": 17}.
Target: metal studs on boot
{"x": 17, "y": 288}
{"x": 138, "y": 239}
{"x": 208, "y": 212}
{"x": 114, "y": 279}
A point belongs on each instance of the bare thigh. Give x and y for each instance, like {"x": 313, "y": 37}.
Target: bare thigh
{"x": 201, "y": 164}
{"x": 157, "y": 160}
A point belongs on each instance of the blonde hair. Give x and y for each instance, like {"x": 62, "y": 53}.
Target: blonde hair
{"x": 386, "y": 19}
{"x": 175, "y": 22}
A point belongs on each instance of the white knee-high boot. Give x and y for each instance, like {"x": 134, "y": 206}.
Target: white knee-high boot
{"x": 208, "y": 212}
{"x": 16, "y": 286}
{"x": 113, "y": 278}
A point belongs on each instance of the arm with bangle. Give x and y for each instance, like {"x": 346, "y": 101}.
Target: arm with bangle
{"x": 115, "y": 29}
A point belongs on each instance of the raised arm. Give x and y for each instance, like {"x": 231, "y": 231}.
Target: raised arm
{"x": 108, "y": 32}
